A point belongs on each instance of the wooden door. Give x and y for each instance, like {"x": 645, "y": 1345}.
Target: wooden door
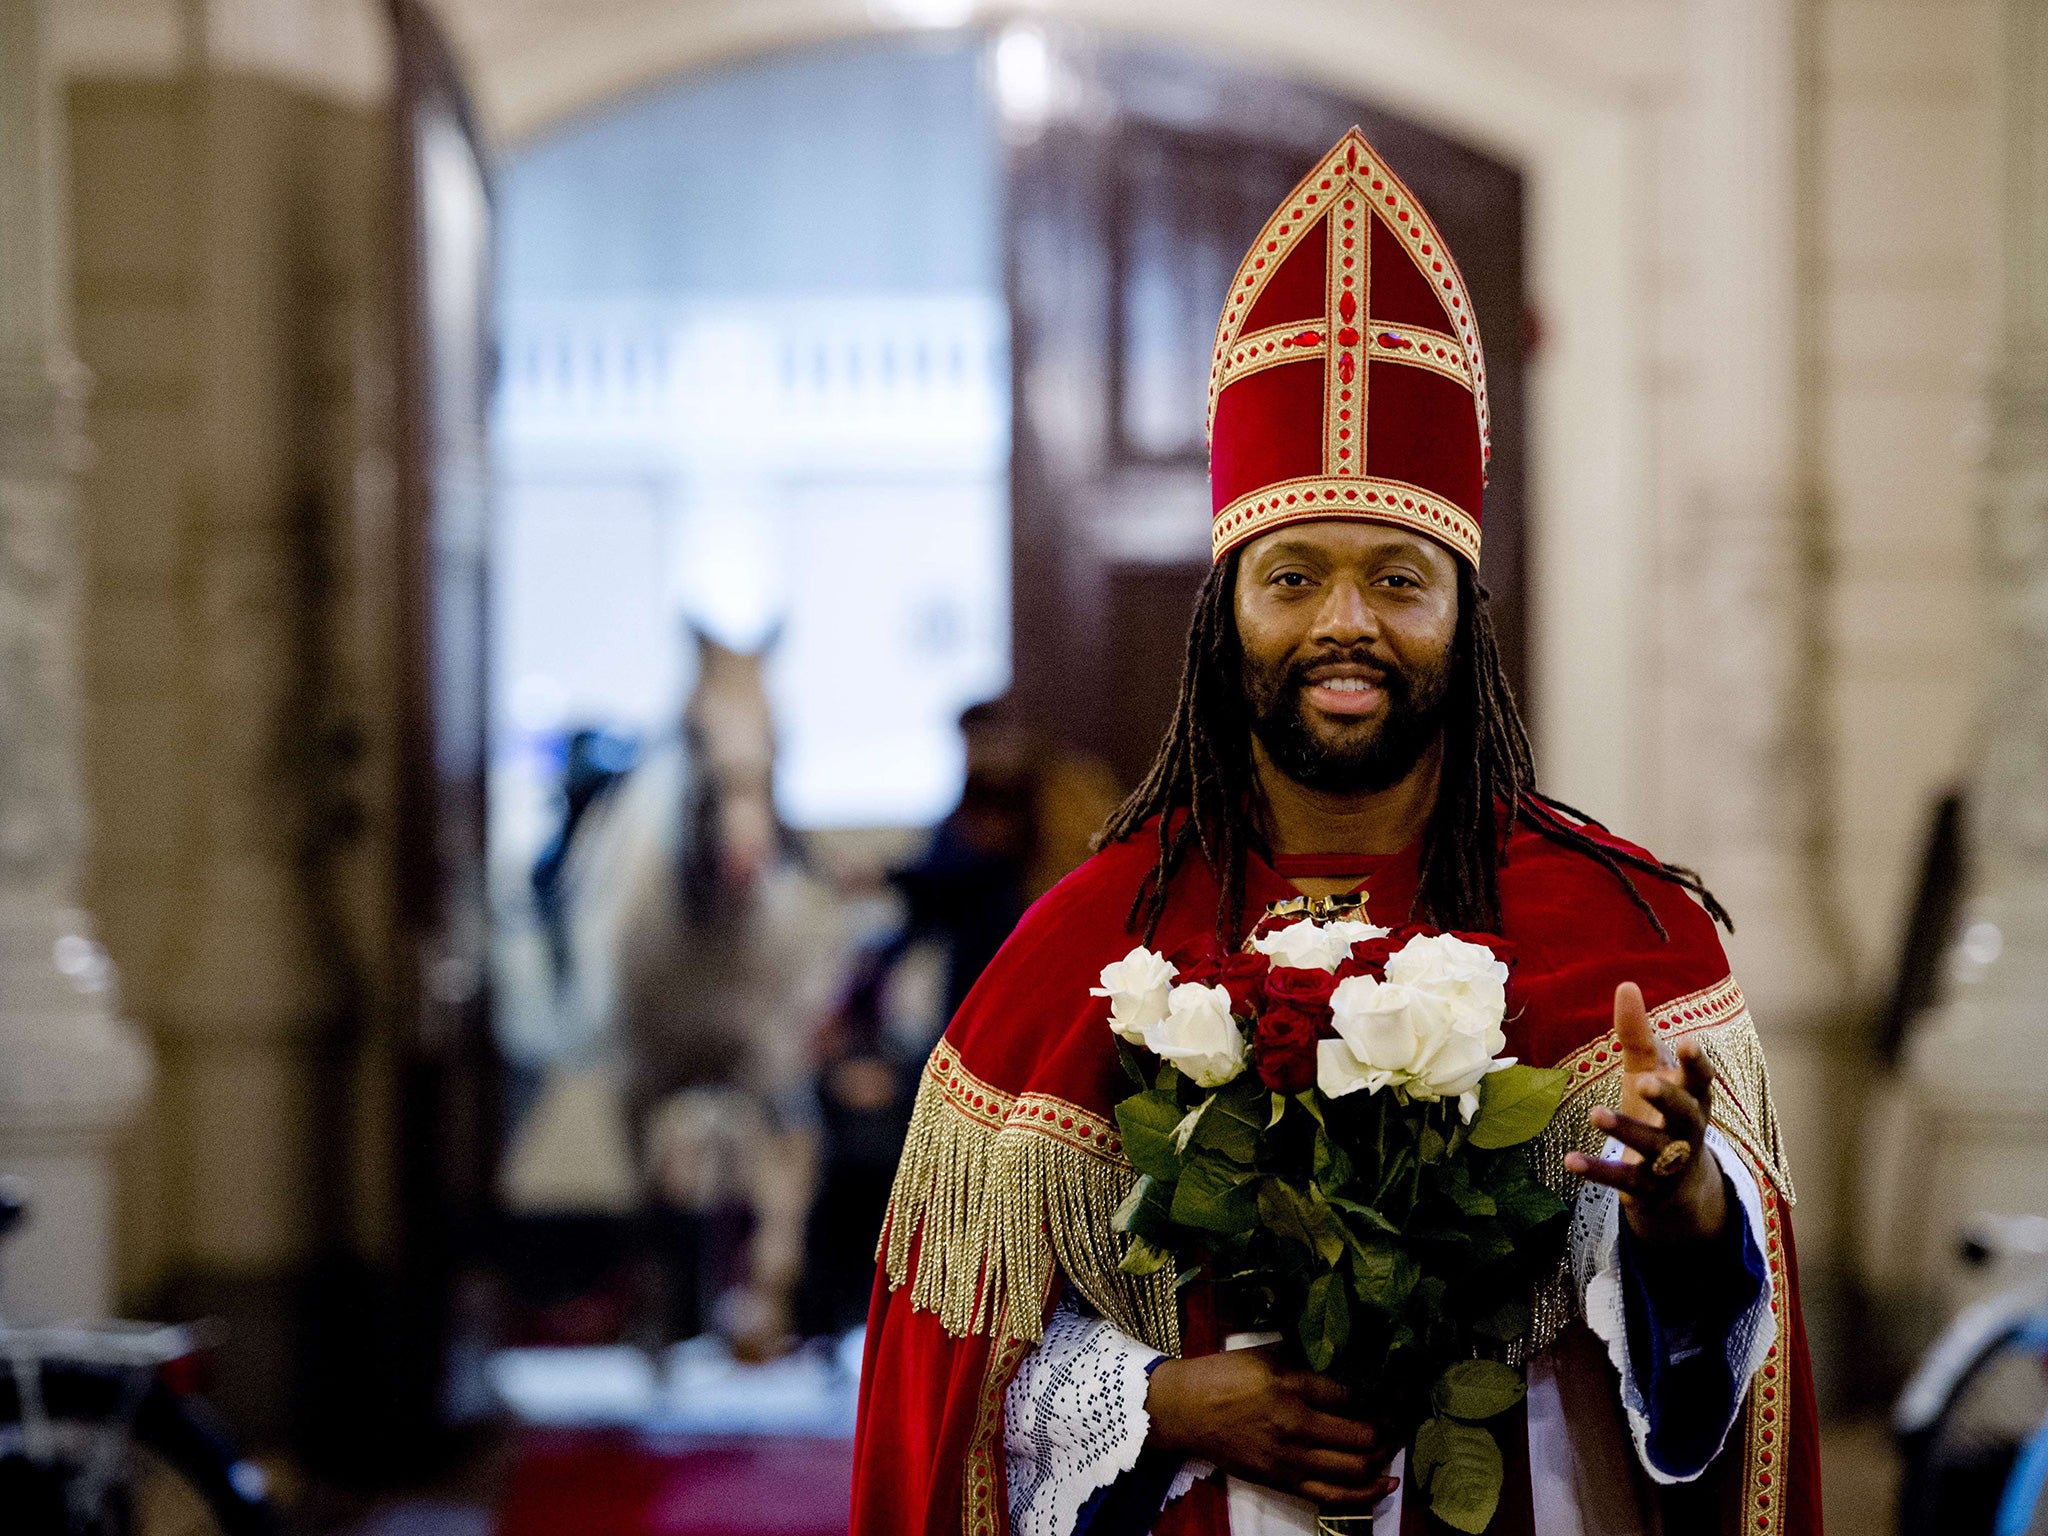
{"x": 449, "y": 1129}
{"x": 1137, "y": 178}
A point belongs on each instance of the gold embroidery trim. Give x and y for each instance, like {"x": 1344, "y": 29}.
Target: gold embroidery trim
{"x": 995, "y": 1192}
{"x": 1353, "y": 168}
{"x": 982, "y": 1495}
{"x": 1422, "y": 348}
{"x": 1260, "y": 350}
{"x": 1374, "y": 496}
{"x": 1768, "y": 1433}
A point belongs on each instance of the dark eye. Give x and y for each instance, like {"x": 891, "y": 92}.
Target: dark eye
{"x": 1291, "y": 579}
{"x": 1397, "y": 579}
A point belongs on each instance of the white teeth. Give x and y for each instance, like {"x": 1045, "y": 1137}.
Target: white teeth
{"x": 1346, "y": 684}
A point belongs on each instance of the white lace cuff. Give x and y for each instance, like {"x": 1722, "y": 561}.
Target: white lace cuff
{"x": 1074, "y": 1421}
{"x": 1597, "y": 1268}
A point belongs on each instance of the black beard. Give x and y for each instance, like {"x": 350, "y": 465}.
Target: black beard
{"x": 1375, "y": 762}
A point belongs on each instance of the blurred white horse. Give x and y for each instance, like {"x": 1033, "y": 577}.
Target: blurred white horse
{"x": 704, "y": 955}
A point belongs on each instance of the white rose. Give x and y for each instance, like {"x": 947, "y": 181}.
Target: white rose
{"x": 1339, "y": 1071}
{"x": 1312, "y": 946}
{"x": 1137, "y": 988}
{"x": 1199, "y": 1036}
{"x": 1450, "y": 1065}
{"x": 1465, "y": 975}
{"x": 1373, "y": 1021}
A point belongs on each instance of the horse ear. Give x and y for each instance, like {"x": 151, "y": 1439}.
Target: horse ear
{"x": 708, "y": 647}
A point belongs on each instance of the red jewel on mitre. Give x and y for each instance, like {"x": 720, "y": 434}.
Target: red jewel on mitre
{"x": 1347, "y": 379}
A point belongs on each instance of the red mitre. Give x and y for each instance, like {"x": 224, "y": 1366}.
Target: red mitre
{"x": 1347, "y": 379}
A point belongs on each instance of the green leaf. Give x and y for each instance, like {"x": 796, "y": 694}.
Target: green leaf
{"x": 1516, "y": 1105}
{"x": 1460, "y": 1468}
{"x": 1143, "y": 1258}
{"x": 1365, "y": 1213}
{"x": 1147, "y": 1211}
{"x": 1471, "y": 1200}
{"x": 1325, "y": 1321}
{"x": 1332, "y": 1163}
{"x": 1147, "y": 1122}
{"x": 1431, "y": 1147}
{"x": 1293, "y": 1215}
{"x": 1522, "y": 1201}
{"x": 1509, "y": 1320}
{"x": 1477, "y": 1389}
{"x": 1215, "y": 1195}
{"x": 1233, "y": 1123}
{"x": 1279, "y": 1109}
{"x": 1307, "y": 1100}
{"x": 1382, "y": 1274}
{"x": 1133, "y": 1063}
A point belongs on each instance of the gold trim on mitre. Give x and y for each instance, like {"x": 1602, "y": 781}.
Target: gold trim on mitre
{"x": 1373, "y": 496}
{"x": 1354, "y": 168}
{"x": 996, "y": 1194}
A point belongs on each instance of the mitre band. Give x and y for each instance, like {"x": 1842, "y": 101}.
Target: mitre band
{"x": 1348, "y": 379}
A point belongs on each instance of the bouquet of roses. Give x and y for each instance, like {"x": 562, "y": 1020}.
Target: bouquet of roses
{"x": 1329, "y": 1131}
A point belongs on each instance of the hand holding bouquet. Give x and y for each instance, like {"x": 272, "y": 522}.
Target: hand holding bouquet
{"x": 1330, "y": 1131}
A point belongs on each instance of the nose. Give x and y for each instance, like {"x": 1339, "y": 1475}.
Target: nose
{"x": 1346, "y": 617}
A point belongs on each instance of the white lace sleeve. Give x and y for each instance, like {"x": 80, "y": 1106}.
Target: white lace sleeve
{"x": 1074, "y": 1421}
{"x": 1596, "y": 1265}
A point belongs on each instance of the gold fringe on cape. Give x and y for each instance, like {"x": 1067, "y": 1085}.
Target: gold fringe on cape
{"x": 994, "y": 1193}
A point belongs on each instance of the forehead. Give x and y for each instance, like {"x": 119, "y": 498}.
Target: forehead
{"x": 1345, "y": 541}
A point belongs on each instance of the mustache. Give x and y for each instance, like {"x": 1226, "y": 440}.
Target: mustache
{"x": 1295, "y": 677}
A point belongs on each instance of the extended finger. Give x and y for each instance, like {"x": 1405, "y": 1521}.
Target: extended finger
{"x": 1629, "y": 1178}
{"x": 1332, "y": 1496}
{"x": 1632, "y": 1030}
{"x": 1637, "y": 1134}
{"x": 1699, "y": 1074}
{"x": 1682, "y": 1114}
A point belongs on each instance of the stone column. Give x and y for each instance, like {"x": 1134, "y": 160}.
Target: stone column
{"x": 1745, "y": 658}
{"x": 70, "y": 1071}
{"x": 1978, "y": 1067}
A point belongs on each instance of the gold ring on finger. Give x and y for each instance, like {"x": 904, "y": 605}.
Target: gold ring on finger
{"x": 1673, "y": 1160}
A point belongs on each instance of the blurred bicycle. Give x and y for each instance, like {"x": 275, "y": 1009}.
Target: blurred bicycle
{"x": 101, "y": 1433}
{"x": 1972, "y": 1424}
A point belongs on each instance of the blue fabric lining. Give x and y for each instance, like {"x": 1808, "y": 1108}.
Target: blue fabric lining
{"x": 1681, "y": 1310}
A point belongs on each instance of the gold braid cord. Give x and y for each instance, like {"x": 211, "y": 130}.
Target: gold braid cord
{"x": 995, "y": 1192}
{"x": 1741, "y": 1111}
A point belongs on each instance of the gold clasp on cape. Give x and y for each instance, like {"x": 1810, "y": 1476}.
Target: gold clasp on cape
{"x": 1321, "y": 909}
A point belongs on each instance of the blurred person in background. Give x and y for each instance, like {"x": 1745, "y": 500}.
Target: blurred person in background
{"x": 1343, "y": 729}
{"x": 1024, "y": 818}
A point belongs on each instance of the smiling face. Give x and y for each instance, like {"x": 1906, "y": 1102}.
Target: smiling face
{"x": 1346, "y": 629}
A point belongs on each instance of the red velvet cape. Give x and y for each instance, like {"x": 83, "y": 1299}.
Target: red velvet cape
{"x": 1013, "y": 1165}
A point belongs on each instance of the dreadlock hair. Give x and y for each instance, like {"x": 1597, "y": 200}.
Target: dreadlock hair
{"x": 1201, "y": 785}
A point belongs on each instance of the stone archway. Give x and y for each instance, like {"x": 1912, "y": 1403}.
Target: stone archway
{"x": 1588, "y": 445}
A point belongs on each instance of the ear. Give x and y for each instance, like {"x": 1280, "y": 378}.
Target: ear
{"x": 709, "y": 650}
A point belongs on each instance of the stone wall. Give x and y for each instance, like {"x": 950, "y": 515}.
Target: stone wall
{"x": 233, "y": 303}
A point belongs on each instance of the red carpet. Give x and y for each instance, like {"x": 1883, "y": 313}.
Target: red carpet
{"x": 612, "y": 1483}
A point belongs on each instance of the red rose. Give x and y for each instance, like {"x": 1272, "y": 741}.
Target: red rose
{"x": 1285, "y": 1046}
{"x": 1369, "y": 957}
{"x": 1244, "y": 975}
{"x": 1200, "y": 961}
{"x": 1304, "y": 989}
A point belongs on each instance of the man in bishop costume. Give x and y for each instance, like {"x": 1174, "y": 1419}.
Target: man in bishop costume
{"x": 1343, "y": 726}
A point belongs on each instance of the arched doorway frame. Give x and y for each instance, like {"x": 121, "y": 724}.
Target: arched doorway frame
{"x": 1590, "y": 488}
